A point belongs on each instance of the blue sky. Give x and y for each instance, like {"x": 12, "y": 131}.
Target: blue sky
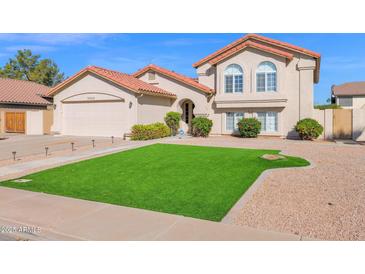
{"x": 343, "y": 57}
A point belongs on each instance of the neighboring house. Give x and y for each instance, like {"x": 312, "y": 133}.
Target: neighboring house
{"x": 252, "y": 77}
{"x": 23, "y": 108}
{"x": 350, "y": 95}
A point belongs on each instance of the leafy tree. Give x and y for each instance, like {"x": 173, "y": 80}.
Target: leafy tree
{"x": 26, "y": 66}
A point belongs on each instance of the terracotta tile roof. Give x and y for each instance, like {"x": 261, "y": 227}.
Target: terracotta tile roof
{"x": 179, "y": 77}
{"x": 249, "y": 44}
{"x": 14, "y": 91}
{"x": 275, "y": 43}
{"x": 121, "y": 79}
{"x": 352, "y": 88}
{"x": 259, "y": 38}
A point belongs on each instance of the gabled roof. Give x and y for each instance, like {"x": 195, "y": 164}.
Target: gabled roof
{"x": 259, "y": 38}
{"x": 352, "y": 88}
{"x": 13, "y": 91}
{"x": 176, "y": 76}
{"x": 249, "y": 44}
{"x": 118, "y": 78}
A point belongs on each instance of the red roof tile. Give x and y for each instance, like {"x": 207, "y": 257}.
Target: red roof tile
{"x": 121, "y": 79}
{"x": 179, "y": 77}
{"x": 14, "y": 91}
{"x": 259, "y": 38}
{"x": 249, "y": 44}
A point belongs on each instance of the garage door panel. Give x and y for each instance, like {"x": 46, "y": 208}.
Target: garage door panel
{"x": 95, "y": 119}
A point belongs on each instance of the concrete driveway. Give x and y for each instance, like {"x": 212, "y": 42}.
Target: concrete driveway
{"x": 26, "y": 145}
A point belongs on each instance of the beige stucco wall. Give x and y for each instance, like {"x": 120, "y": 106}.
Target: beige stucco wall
{"x": 203, "y": 105}
{"x": 152, "y": 109}
{"x": 325, "y": 118}
{"x": 91, "y": 88}
{"x": 34, "y": 122}
{"x": 47, "y": 120}
{"x": 293, "y": 100}
{"x": 2, "y": 121}
{"x": 358, "y": 124}
{"x": 207, "y": 75}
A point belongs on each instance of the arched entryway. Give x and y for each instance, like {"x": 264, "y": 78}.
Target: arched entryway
{"x": 187, "y": 107}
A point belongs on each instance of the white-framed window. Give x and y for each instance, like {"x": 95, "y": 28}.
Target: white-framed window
{"x": 269, "y": 121}
{"x": 266, "y": 79}
{"x": 232, "y": 119}
{"x": 233, "y": 79}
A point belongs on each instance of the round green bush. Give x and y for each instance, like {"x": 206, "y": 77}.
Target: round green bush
{"x": 201, "y": 126}
{"x": 172, "y": 120}
{"x": 249, "y": 127}
{"x": 308, "y": 129}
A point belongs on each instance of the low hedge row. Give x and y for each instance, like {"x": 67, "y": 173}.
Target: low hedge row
{"x": 151, "y": 131}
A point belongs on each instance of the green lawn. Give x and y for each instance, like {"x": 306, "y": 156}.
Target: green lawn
{"x": 195, "y": 181}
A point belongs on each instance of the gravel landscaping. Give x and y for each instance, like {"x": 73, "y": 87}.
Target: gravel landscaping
{"x": 325, "y": 201}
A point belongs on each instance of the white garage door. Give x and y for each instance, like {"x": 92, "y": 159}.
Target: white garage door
{"x": 95, "y": 119}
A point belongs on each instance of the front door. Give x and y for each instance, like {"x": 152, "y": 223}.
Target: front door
{"x": 15, "y": 122}
{"x": 188, "y": 115}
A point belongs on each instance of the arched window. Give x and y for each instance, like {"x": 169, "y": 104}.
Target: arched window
{"x": 233, "y": 79}
{"x": 266, "y": 77}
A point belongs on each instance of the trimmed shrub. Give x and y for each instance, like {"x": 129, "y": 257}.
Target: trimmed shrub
{"x": 308, "y": 129}
{"x": 329, "y": 106}
{"x": 151, "y": 131}
{"x": 172, "y": 120}
{"x": 249, "y": 127}
{"x": 201, "y": 126}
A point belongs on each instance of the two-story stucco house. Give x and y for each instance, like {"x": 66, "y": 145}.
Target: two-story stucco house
{"x": 254, "y": 76}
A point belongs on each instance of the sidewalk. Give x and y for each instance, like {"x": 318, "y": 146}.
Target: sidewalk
{"x": 62, "y": 218}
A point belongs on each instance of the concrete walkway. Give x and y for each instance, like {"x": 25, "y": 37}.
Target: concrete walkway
{"x": 50, "y": 217}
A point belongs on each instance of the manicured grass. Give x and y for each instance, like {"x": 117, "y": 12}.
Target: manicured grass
{"x": 195, "y": 181}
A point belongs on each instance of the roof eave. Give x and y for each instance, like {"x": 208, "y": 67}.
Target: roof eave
{"x": 149, "y": 68}
{"x": 262, "y": 39}
{"x": 25, "y": 103}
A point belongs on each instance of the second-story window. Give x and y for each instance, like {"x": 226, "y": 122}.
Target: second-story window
{"x": 266, "y": 77}
{"x": 233, "y": 79}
